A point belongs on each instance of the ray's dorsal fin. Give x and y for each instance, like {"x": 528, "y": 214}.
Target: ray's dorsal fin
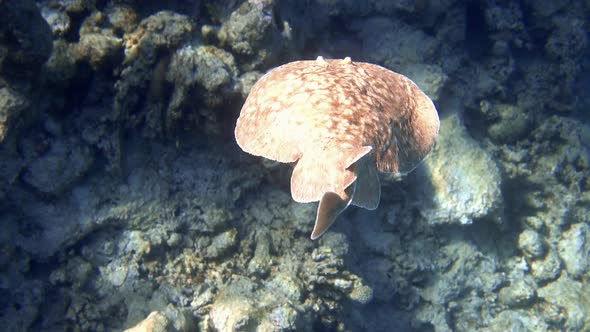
{"x": 357, "y": 154}
{"x": 356, "y": 157}
{"x": 331, "y": 205}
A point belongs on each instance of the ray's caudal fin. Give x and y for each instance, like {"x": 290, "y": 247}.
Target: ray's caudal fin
{"x": 331, "y": 205}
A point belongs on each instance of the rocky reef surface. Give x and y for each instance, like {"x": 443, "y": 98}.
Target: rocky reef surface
{"x": 126, "y": 204}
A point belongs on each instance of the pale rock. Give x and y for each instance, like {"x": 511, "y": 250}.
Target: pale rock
{"x": 461, "y": 181}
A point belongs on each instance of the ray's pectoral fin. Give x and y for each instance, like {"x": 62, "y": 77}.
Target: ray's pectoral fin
{"x": 331, "y": 205}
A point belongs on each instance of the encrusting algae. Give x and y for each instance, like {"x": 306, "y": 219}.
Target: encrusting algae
{"x": 340, "y": 121}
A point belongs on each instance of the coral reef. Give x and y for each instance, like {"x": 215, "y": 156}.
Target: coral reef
{"x": 25, "y": 39}
{"x": 459, "y": 190}
{"x": 125, "y": 202}
{"x": 25, "y": 44}
{"x": 251, "y": 33}
{"x": 12, "y": 103}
